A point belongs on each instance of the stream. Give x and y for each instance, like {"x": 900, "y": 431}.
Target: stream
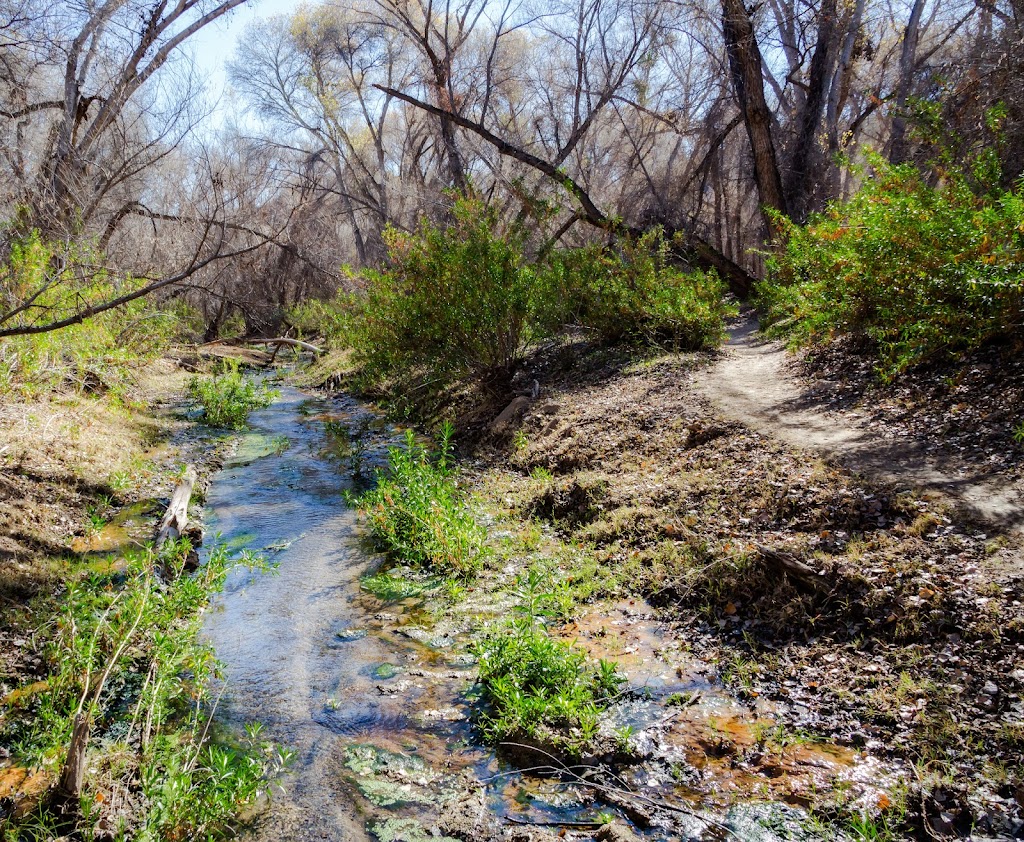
{"x": 300, "y": 655}
{"x": 372, "y": 697}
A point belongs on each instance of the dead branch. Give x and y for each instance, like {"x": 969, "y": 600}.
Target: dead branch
{"x": 176, "y": 517}
{"x": 295, "y": 343}
{"x": 804, "y": 576}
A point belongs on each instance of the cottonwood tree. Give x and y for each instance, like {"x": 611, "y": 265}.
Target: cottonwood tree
{"x": 95, "y": 101}
{"x": 309, "y": 78}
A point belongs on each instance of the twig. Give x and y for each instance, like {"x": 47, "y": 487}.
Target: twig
{"x": 206, "y": 729}
{"x": 588, "y": 825}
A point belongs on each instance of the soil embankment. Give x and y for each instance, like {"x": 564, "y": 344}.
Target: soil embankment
{"x": 869, "y": 613}
{"x": 753, "y": 381}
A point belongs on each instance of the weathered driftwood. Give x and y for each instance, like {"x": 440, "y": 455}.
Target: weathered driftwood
{"x": 283, "y": 340}
{"x": 71, "y": 777}
{"x": 175, "y": 519}
{"x": 802, "y": 575}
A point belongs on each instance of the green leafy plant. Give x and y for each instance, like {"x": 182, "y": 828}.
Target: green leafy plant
{"x": 124, "y": 658}
{"x": 390, "y": 588}
{"x": 43, "y": 281}
{"x": 534, "y": 685}
{"x": 455, "y": 301}
{"x": 416, "y": 511}
{"x": 918, "y": 271}
{"x": 632, "y": 289}
{"x": 1018, "y": 433}
{"x": 229, "y": 397}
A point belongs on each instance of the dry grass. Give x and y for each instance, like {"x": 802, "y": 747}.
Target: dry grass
{"x": 635, "y": 471}
{"x": 63, "y": 457}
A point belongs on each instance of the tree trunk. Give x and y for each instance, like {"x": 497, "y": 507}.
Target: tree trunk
{"x": 70, "y": 786}
{"x": 838, "y": 93}
{"x": 747, "y": 66}
{"x": 897, "y": 140}
{"x": 799, "y": 185}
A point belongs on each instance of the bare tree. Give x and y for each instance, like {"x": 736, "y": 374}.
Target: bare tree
{"x": 88, "y": 104}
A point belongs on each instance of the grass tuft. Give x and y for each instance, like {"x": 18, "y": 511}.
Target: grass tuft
{"x": 417, "y": 513}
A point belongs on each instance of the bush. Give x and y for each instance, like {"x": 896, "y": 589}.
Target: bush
{"x": 228, "y": 398}
{"x": 416, "y": 512}
{"x": 462, "y": 301}
{"x": 125, "y": 652}
{"x": 454, "y": 302}
{"x": 329, "y": 319}
{"x": 101, "y": 354}
{"x": 632, "y": 290}
{"x": 533, "y": 683}
{"x": 920, "y": 271}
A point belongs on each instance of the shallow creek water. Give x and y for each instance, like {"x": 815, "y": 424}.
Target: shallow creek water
{"x": 372, "y": 697}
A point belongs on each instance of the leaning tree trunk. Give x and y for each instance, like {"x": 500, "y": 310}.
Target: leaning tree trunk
{"x": 799, "y": 185}
{"x": 897, "y": 140}
{"x": 747, "y": 69}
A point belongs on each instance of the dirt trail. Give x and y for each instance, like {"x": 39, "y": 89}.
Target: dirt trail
{"x": 751, "y": 384}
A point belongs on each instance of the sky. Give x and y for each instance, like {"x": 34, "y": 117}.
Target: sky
{"x": 214, "y": 45}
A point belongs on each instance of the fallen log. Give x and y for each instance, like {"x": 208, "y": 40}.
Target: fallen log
{"x": 175, "y": 519}
{"x": 802, "y": 575}
{"x": 295, "y": 343}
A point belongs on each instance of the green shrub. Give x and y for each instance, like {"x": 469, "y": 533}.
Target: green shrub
{"x": 454, "y": 302}
{"x": 102, "y": 354}
{"x": 229, "y": 397}
{"x": 124, "y": 652}
{"x": 918, "y": 270}
{"x": 632, "y": 290}
{"x": 463, "y": 301}
{"x": 417, "y": 514}
{"x": 328, "y": 319}
{"x": 532, "y": 682}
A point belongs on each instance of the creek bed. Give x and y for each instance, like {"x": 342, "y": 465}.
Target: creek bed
{"x": 372, "y": 697}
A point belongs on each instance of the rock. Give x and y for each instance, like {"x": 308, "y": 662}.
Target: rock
{"x": 469, "y": 819}
{"x": 510, "y": 414}
{"x": 616, "y": 833}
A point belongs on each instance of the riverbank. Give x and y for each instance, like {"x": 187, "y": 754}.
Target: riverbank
{"x": 91, "y": 614}
{"x": 864, "y": 614}
{"x": 808, "y": 653}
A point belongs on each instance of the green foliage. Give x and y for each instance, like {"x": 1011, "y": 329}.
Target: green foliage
{"x": 532, "y": 682}
{"x": 920, "y": 271}
{"x": 124, "y": 652}
{"x": 417, "y": 514}
{"x": 100, "y": 354}
{"x": 388, "y": 587}
{"x": 884, "y": 827}
{"x": 328, "y": 319}
{"x": 463, "y": 301}
{"x": 632, "y": 290}
{"x": 229, "y": 397}
{"x": 454, "y": 302}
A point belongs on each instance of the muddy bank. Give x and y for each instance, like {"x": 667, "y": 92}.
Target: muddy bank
{"x": 863, "y": 614}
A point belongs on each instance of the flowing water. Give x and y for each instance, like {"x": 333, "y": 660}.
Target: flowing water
{"x": 372, "y": 697}
{"x": 301, "y": 655}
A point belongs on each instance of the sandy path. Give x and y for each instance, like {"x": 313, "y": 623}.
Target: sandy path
{"x": 750, "y": 383}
